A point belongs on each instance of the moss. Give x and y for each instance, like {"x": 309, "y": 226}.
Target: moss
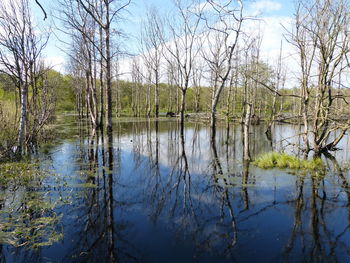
{"x": 285, "y": 161}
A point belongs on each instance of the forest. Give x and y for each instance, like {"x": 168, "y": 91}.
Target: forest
{"x": 194, "y": 115}
{"x": 202, "y": 61}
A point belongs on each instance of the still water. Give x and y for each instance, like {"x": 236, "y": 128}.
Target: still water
{"x": 148, "y": 194}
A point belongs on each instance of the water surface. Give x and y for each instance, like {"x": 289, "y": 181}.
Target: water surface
{"x": 148, "y": 194}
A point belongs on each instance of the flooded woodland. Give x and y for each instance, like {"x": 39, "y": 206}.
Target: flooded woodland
{"x": 174, "y": 131}
{"x": 150, "y": 192}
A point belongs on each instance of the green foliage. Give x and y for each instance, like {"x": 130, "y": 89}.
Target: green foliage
{"x": 60, "y": 94}
{"x": 8, "y": 126}
{"x": 65, "y": 91}
{"x": 285, "y": 161}
{"x": 7, "y": 88}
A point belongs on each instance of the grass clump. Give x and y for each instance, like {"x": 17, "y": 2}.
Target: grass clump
{"x": 285, "y": 161}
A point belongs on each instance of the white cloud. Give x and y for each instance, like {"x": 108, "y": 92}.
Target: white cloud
{"x": 265, "y": 6}
{"x": 273, "y": 35}
{"x": 273, "y": 31}
{"x": 270, "y": 26}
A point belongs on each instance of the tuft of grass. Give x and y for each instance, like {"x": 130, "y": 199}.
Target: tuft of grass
{"x": 285, "y": 161}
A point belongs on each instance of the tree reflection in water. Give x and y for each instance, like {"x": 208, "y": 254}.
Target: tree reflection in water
{"x": 313, "y": 232}
{"x": 155, "y": 191}
{"x": 97, "y": 233}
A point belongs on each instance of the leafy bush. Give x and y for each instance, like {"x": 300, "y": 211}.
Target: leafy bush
{"x": 285, "y": 161}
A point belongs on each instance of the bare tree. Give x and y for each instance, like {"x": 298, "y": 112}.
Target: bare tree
{"x": 246, "y": 128}
{"x": 117, "y": 71}
{"x": 246, "y": 99}
{"x": 20, "y": 51}
{"x": 222, "y": 40}
{"x": 84, "y": 50}
{"x": 280, "y": 78}
{"x": 151, "y": 41}
{"x": 105, "y": 13}
{"x": 136, "y": 88}
{"x": 79, "y": 90}
{"x": 182, "y": 44}
{"x": 197, "y": 78}
{"x": 42, "y": 9}
{"x": 321, "y": 37}
{"x": 306, "y": 49}
{"x": 41, "y": 103}
{"x": 171, "y": 79}
{"x": 93, "y": 20}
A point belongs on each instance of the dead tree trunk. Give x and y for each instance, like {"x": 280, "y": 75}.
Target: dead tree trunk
{"x": 23, "y": 116}
{"x": 246, "y": 125}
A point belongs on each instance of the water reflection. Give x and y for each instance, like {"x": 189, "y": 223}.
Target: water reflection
{"x": 154, "y": 191}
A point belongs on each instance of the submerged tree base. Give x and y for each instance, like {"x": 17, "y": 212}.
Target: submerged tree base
{"x": 285, "y": 161}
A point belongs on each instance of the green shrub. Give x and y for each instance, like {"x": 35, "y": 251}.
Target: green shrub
{"x": 8, "y": 127}
{"x": 285, "y": 161}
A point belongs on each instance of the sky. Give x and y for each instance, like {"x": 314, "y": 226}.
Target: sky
{"x": 272, "y": 15}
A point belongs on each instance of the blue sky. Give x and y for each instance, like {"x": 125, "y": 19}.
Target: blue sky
{"x": 272, "y": 12}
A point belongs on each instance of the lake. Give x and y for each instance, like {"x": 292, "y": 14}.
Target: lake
{"x": 149, "y": 193}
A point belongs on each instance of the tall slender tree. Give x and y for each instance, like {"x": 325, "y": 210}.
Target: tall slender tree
{"x": 224, "y": 21}
{"x": 152, "y": 51}
{"x": 20, "y": 57}
{"x": 182, "y": 45}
